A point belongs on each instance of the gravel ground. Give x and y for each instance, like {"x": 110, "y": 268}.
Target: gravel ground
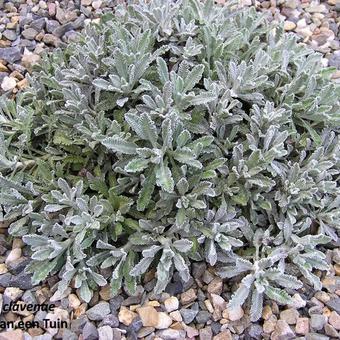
{"x": 197, "y": 309}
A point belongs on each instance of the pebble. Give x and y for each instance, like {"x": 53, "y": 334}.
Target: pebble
{"x": 10, "y": 35}
{"x": 267, "y": 312}
{"x": 333, "y": 304}
{"x": 334, "y": 320}
{"x": 99, "y": 311}
{"x": 322, "y": 296}
{"x": 255, "y": 331}
{"x": 116, "y": 302}
{"x": 12, "y": 335}
{"x": 125, "y": 316}
{"x": 105, "y": 333}
{"x": 149, "y": 316}
{"x": 8, "y": 84}
{"x": 235, "y": 313}
{"x": 203, "y": 316}
{"x": 316, "y": 336}
{"x": 269, "y": 325}
{"x": 3, "y": 268}
{"x": 331, "y": 331}
{"x": 29, "y": 33}
{"x": 30, "y": 59}
{"x": 215, "y": 286}
{"x": 224, "y": 335}
{"x": 188, "y": 315}
{"x": 289, "y": 315}
{"x": 74, "y": 301}
{"x": 205, "y": 333}
{"x": 13, "y": 293}
{"x": 145, "y": 332}
{"x": 110, "y": 320}
{"x": 22, "y": 281}
{"x": 50, "y": 39}
{"x": 302, "y": 326}
{"x": 97, "y": 4}
{"x": 297, "y": 302}
{"x": 90, "y": 332}
{"x": 289, "y": 25}
{"x": 171, "y": 334}
{"x": 317, "y": 9}
{"x": 317, "y": 321}
{"x": 171, "y": 304}
{"x": 188, "y": 296}
{"x": 282, "y": 331}
{"x": 164, "y": 321}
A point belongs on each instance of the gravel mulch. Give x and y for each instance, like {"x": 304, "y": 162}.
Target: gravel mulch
{"x": 197, "y": 309}
{"x": 194, "y": 310}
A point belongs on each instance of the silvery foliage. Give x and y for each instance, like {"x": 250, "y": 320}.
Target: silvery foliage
{"x": 175, "y": 132}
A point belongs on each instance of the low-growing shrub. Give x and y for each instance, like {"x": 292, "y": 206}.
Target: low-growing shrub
{"x": 170, "y": 133}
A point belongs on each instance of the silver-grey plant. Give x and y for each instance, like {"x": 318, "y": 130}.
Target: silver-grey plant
{"x": 173, "y": 132}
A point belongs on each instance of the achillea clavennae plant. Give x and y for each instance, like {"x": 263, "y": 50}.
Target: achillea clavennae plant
{"x": 172, "y": 133}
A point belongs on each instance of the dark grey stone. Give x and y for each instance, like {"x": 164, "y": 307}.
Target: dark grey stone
{"x": 69, "y": 335}
{"x": 22, "y": 281}
{"x": 9, "y": 34}
{"x": 61, "y": 30}
{"x": 255, "y": 331}
{"x": 203, "y": 316}
{"x": 28, "y": 297}
{"x": 38, "y": 24}
{"x": 132, "y": 336}
{"x": 150, "y": 285}
{"x": 90, "y": 332}
{"x": 215, "y": 327}
{"x": 116, "y": 302}
{"x": 40, "y": 316}
{"x": 77, "y": 325}
{"x": 174, "y": 288}
{"x": 2, "y": 248}
{"x": 51, "y": 25}
{"x": 10, "y": 54}
{"x": 131, "y": 300}
{"x": 189, "y": 315}
{"x": 198, "y": 269}
{"x": 99, "y": 311}
{"x": 110, "y": 320}
{"x": 334, "y": 304}
{"x": 136, "y": 325}
{"x": 17, "y": 266}
{"x": 5, "y": 279}
{"x": 335, "y": 61}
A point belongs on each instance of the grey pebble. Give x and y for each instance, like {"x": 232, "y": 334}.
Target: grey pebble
{"x": 28, "y": 297}
{"x": 334, "y": 304}
{"x": 110, "y": 320}
{"x": 203, "y": 316}
{"x": 22, "y": 281}
{"x": 116, "y": 302}
{"x": 9, "y": 34}
{"x": 189, "y": 315}
{"x": 10, "y": 54}
{"x": 90, "y": 332}
{"x": 77, "y": 325}
{"x": 5, "y": 279}
{"x": 29, "y": 33}
{"x": 317, "y": 321}
{"x": 99, "y": 311}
